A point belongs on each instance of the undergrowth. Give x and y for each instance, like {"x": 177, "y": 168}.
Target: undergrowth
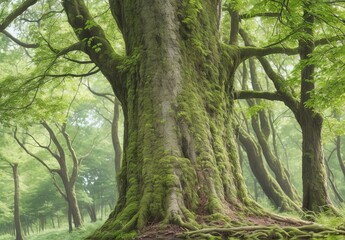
{"x": 60, "y": 233}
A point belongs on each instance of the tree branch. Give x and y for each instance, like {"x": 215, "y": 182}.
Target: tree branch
{"x": 42, "y": 146}
{"x": 20, "y": 43}
{"x": 265, "y": 14}
{"x": 98, "y": 47}
{"x": 248, "y": 52}
{"x": 56, "y": 143}
{"x": 278, "y": 81}
{"x": 328, "y": 40}
{"x": 45, "y": 15}
{"x": 72, "y": 152}
{"x": 21, "y": 144}
{"x": 17, "y": 12}
{"x": 235, "y": 25}
{"x": 58, "y": 188}
{"x": 279, "y": 84}
{"x": 274, "y": 96}
{"x": 108, "y": 96}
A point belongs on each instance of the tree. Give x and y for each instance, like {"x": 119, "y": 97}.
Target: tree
{"x": 57, "y": 151}
{"x": 17, "y": 223}
{"x": 262, "y": 128}
{"x": 175, "y": 85}
{"x": 315, "y": 195}
{"x": 16, "y": 201}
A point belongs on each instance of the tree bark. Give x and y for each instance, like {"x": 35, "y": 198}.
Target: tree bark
{"x": 180, "y": 159}
{"x": 315, "y": 195}
{"x": 71, "y": 198}
{"x": 339, "y": 156}
{"x": 115, "y": 136}
{"x": 268, "y": 184}
{"x": 17, "y": 224}
{"x": 91, "y": 209}
{"x": 262, "y": 129}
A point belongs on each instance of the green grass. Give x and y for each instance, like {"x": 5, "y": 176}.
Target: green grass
{"x": 61, "y": 233}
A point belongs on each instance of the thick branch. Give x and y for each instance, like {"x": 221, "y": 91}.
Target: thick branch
{"x": 278, "y": 81}
{"x": 56, "y": 142}
{"x": 274, "y": 96}
{"x": 78, "y": 46}
{"x": 17, "y": 12}
{"x": 20, "y": 43}
{"x": 98, "y": 47}
{"x": 252, "y": 51}
{"x": 247, "y": 52}
{"x": 234, "y": 28}
{"x": 72, "y": 152}
{"x": 265, "y": 14}
{"x": 324, "y": 41}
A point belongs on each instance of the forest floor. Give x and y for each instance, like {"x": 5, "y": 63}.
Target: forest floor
{"x": 61, "y": 233}
{"x": 274, "y": 227}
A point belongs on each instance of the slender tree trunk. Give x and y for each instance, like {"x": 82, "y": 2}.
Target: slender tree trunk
{"x": 331, "y": 179}
{"x": 339, "y": 156}
{"x": 72, "y": 203}
{"x": 268, "y": 184}
{"x": 69, "y": 217}
{"x": 91, "y": 209}
{"x": 315, "y": 195}
{"x": 262, "y": 129}
{"x": 73, "y": 206}
{"x": 115, "y": 136}
{"x": 17, "y": 223}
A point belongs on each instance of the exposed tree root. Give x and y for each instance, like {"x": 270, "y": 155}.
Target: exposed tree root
{"x": 264, "y": 232}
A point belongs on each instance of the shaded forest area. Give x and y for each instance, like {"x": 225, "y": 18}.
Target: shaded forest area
{"x": 193, "y": 119}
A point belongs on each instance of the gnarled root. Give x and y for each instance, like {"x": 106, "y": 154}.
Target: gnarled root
{"x": 265, "y": 232}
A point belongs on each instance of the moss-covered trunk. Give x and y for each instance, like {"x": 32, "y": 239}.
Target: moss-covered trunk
{"x": 180, "y": 163}
{"x": 115, "y": 136}
{"x": 315, "y": 196}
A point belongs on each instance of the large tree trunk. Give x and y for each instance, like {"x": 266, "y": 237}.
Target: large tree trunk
{"x": 17, "y": 224}
{"x": 180, "y": 159}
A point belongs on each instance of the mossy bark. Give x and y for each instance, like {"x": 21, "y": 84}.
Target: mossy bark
{"x": 180, "y": 163}
{"x": 115, "y": 136}
{"x": 315, "y": 194}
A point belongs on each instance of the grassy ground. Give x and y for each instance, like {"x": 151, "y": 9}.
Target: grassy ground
{"x": 61, "y": 233}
